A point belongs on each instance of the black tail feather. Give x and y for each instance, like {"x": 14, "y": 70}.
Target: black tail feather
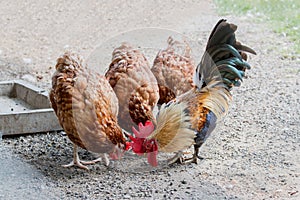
{"x": 223, "y": 50}
{"x": 221, "y": 34}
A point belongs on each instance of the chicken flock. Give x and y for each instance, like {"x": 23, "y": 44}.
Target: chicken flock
{"x": 114, "y": 113}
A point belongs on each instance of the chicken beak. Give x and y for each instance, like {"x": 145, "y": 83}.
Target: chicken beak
{"x": 128, "y": 136}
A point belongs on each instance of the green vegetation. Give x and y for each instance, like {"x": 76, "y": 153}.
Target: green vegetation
{"x": 282, "y": 15}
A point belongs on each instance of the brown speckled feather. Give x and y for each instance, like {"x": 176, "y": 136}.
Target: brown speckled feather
{"x": 85, "y": 105}
{"x": 173, "y": 69}
{"x": 134, "y": 84}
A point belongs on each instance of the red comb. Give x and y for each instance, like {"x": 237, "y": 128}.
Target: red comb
{"x": 144, "y": 131}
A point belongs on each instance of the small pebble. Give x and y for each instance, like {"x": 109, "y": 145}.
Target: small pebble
{"x": 27, "y": 60}
{"x": 184, "y": 182}
{"x": 29, "y": 77}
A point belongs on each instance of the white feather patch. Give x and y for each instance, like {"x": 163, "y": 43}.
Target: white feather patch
{"x": 173, "y": 131}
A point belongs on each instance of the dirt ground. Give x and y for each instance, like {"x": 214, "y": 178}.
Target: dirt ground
{"x": 253, "y": 153}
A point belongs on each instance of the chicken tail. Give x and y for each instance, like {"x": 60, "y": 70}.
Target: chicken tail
{"x": 224, "y": 57}
{"x": 216, "y": 97}
{"x": 173, "y": 131}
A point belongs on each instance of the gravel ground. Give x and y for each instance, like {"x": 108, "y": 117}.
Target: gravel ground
{"x": 253, "y": 154}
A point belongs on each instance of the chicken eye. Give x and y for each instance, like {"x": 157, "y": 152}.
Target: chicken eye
{"x": 148, "y": 146}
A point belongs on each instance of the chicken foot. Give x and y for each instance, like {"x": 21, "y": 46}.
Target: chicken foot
{"x": 80, "y": 163}
{"x": 193, "y": 159}
{"x": 176, "y": 159}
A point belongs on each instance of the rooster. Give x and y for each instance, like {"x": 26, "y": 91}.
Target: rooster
{"x": 221, "y": 67}
{"x": 173, "y": 68}
{"x": 87, "y": 109}
{"x": 130, "y": 76}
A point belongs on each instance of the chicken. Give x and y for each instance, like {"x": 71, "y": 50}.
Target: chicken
{"x": 173, "y": 68}
{"x": 87, "y": 109}
{"x": 130, "y": 76}
{"x": 221, "y": 67}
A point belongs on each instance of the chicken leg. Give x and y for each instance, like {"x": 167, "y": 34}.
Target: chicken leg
{"x": 80, "y": 163}
{"x": 195, "y": 157}
{"x": 176, "y": 159}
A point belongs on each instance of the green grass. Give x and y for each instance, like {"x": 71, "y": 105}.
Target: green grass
{"x": 282, "y": 15}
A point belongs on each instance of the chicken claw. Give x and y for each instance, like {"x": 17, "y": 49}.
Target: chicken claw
{"x": 176, "y": 159}
{"x": 80, "y": 163}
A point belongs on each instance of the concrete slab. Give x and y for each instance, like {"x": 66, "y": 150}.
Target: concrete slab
{"x": 25, "y": 109}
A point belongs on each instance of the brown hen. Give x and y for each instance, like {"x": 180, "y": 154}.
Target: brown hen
{"x": 87, "y": 109}
{"x": 173, "y": 69}
{"x": 130, "y": 76}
